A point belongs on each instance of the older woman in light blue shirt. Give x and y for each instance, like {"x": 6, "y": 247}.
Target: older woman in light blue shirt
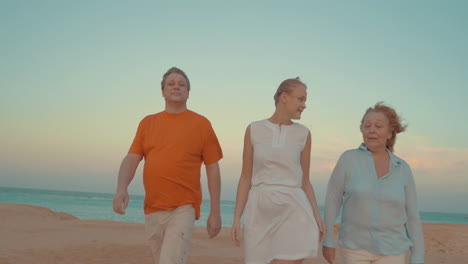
{"x": 380, "y": 218}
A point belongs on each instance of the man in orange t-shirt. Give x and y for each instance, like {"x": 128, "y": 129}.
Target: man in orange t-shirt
{"x": 174, "y": 143}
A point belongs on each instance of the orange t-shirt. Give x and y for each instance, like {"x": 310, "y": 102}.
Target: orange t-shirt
{"x": 174, "y": 147}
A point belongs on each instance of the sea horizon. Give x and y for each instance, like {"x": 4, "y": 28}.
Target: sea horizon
{"x": 98, "y": 205}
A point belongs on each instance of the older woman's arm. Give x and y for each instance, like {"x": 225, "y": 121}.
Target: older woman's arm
{"x": 333, "y": 201}
{"x": 413, "y": 225}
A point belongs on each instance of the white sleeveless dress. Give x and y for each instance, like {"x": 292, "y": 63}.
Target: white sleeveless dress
{"x": 278, "y": 221}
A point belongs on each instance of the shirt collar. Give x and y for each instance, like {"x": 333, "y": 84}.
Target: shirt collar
{"x": 395, "y": 161}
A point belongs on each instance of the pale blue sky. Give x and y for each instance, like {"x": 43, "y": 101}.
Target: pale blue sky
{"x": 78, "y": 76}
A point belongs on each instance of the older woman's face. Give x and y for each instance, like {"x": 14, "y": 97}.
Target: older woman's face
{"x": 376, "y": 130}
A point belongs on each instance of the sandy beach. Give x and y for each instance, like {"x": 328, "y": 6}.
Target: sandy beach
{"x": 32, "y": 234}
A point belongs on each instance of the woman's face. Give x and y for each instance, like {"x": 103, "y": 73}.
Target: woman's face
{"x": 376, "y": 130}
{"x": 296, "y": 99}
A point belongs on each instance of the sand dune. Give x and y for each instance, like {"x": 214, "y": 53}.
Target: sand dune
{"x": 32, "y": 234}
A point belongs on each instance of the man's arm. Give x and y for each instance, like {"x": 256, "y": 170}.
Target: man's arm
{"x": 126, "y": 173}
{"x": 213, "y": 174}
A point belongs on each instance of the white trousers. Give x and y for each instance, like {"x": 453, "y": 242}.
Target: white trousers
{"x": 169, "y": 234}
{"x": 359, "y": 256}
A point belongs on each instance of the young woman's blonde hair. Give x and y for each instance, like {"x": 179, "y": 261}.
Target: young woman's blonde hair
{"x": 286, "y": 87}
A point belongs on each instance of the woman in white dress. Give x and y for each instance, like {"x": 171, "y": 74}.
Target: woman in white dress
{"x": 281, "y": 219}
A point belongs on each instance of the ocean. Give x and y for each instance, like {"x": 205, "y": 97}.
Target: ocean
{"x": 89, "y": 205}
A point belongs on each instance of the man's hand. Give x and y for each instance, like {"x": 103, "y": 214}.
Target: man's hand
{"x": 329, "y": 254}
{"x": 213, "y": 224}
{"x": 120, "y": 202}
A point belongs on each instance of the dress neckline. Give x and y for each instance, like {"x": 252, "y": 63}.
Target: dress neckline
{"x": 280, "y": 125}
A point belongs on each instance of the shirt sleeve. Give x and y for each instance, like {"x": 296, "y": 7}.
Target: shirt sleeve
{"x": 413, "y": 225}
{"x": 137, "y": 145}
{"x": 333, "y": 201}
{"x": 211, "y": 149}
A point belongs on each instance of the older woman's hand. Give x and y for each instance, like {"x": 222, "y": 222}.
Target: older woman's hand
{"x": 329, "y": 254}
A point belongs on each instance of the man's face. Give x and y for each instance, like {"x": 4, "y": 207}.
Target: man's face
{"x": 175, "y": 89}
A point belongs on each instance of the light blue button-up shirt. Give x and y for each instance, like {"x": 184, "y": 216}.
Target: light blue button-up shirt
{"x": 379, "y": 215}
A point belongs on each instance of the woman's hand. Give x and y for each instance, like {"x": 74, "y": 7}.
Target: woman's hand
{"x": 321, "y": 227}
{"x": 329, "y": 254}
{"x": 236, "y": 232}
